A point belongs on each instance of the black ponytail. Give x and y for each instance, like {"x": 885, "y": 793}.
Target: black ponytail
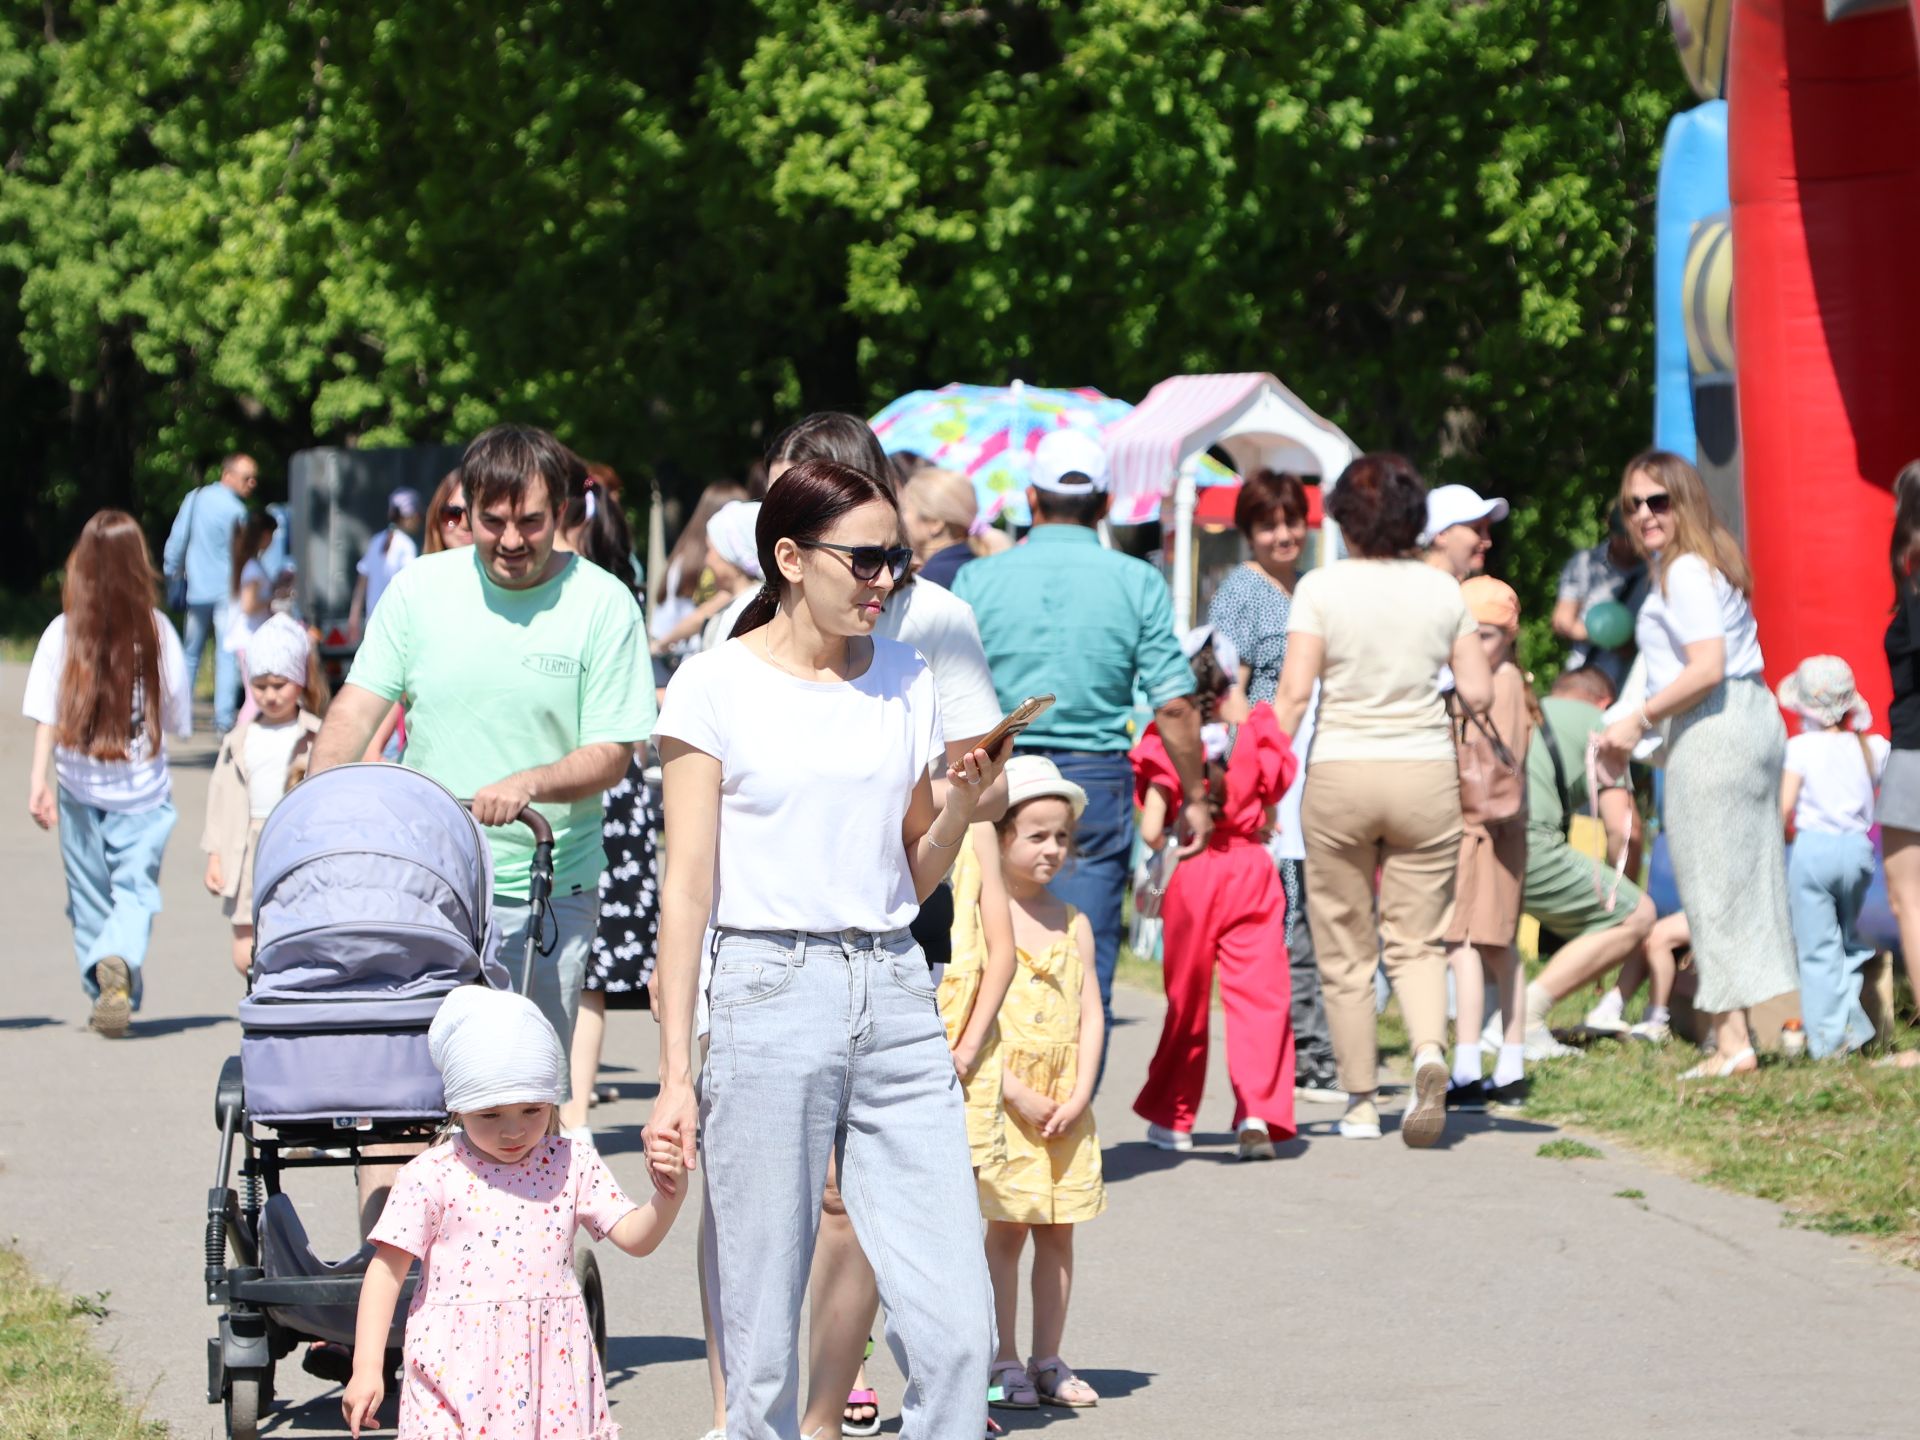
{"x": 804, "y": 504}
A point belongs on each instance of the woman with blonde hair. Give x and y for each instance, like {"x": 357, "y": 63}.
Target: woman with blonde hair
{"x": 108, "y": 684}
{"x": 939, "y": 508}
{"x": 1725, "y": 745}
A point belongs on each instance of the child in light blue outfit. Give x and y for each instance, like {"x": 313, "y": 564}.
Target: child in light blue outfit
{"x": 1833, "y": 768}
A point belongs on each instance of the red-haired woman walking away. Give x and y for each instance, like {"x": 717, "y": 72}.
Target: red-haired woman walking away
{"x": 108, "y": 679}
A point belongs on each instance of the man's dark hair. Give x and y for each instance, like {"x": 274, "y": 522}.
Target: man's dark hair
{"x": 1380, "y": 505}
{"x": 1585, "y": 682}
{"x": 500, "y": 462}
{"x": 1057, "y": 509}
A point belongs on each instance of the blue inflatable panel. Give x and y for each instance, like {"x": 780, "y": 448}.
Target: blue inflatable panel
{"x": 1693, "y": 185}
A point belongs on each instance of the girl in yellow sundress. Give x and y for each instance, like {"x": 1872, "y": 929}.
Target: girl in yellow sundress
{"x": 979, "y": 970}
{"x": 1051, "y": 1032}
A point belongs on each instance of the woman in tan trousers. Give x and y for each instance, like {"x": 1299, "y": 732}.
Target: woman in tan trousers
{"x": 1383, "y": 786}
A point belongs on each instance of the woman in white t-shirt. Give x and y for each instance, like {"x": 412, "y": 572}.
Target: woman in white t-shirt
{"x": 801, "y": 825}
{"x": 1725, "y": 745}
{"x": 108, "y": 683}
{"x": 388, "y": 553}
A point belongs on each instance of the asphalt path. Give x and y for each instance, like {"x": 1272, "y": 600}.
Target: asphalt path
{"x": 1349, "y": 1289}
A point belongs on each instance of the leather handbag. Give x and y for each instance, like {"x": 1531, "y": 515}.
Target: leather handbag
{"x": 1492, "y": 787}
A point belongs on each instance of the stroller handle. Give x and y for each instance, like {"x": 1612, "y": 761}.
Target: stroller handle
{"x": 539, "y": 889}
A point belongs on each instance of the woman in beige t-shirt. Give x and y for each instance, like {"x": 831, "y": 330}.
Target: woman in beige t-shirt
{"x": 1383, "y": 787}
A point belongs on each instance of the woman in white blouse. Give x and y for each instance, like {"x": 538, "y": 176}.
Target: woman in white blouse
{"x": 1725, "y": 746}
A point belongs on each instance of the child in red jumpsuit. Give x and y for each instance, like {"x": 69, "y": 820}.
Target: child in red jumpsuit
{"x": 1224, "y": 907}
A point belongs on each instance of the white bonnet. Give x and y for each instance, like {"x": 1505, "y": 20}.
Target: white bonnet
{"x": 494, "y": 1047}
{"x": 279, "y": 647}
{"x": 730, "y": 531}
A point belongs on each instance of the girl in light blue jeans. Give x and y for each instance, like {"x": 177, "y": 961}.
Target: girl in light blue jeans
{"x": 1832, "y": 771}
{"x": 108, "y": 682}
{"x": 801, "y": 825}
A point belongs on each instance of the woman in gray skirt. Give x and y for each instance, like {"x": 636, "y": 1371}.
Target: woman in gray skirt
{"x": 1900, "y": 788}
{"x": 1725, "y": 747}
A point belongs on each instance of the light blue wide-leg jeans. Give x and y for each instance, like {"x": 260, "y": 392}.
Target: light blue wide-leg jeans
{"x": 112, "y": 859}
{"x": 1827, "y": 880}
{"x": 825, "y": 1043}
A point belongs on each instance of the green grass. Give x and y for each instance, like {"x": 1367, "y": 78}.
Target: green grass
{"x": 1832, "y": 1142}
{"x": 1568, "y": 1150}
{"x": 54, "y": 1385}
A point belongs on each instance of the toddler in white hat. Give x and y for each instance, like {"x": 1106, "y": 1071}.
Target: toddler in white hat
{"x": 499, "y": 1326}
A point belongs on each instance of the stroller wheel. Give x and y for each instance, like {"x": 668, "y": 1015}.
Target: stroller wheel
{"x": 247, "y": 1400}
{"x": 587, "y": 1270}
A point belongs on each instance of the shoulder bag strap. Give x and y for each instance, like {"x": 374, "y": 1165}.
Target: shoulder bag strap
{"x": 1560, "y": 785}
{"x": 1500, "y": 751}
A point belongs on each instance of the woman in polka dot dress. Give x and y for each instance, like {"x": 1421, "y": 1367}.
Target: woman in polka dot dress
{"x": 497, "y": 1341}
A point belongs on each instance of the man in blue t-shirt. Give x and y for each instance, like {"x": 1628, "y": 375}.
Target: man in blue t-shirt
{"x": 1063, "y": 615}
{"x": 200, "y": 551}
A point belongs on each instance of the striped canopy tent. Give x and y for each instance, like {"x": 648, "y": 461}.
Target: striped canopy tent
{"x": 1154, "y": 451}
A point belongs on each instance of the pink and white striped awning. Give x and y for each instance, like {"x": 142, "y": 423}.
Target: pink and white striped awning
{"x": 1257, "y": 419}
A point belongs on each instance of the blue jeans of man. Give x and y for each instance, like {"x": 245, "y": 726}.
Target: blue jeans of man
{"x": 112, "y": 860}
{"x": 825, "y": 1045}
{"x": 567, "y": 939}
{"x": 1827, "y": 880}
{"x": 207, "y": 624}
{"x": 1094, "y": 882}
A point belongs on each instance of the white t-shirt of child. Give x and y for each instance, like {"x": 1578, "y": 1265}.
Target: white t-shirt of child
{"x": 383, "y": 561}
{"x": 139, "y": 782}
{"x": 1836, "y": 787}
{"x": 269, "y": 754}
{"x": 1697, "y": 604}
{"x": 815, "y": 780}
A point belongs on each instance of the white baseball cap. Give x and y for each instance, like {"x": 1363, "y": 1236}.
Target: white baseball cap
{"x": 1453, "y": 505}
{"x": 1069, "y": 453}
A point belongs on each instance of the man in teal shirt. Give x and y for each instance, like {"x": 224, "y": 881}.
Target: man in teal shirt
{"x": 1063, "y": 615}
{"x": 526, "y": 677}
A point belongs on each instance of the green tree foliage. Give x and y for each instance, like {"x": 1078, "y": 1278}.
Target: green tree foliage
{"x": 663, "y": 228}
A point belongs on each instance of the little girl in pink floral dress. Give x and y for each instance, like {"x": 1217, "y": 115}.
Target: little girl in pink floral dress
{"x": 497, "y": 1341}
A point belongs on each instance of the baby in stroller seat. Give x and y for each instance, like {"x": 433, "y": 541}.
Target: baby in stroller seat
{"x": 490, "y": 1213}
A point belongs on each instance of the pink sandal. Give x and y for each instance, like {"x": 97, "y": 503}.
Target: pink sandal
{"x": 1058, "y": 1385}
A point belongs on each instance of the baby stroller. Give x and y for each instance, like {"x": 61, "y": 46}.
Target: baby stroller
{"x": 373, "y": 898}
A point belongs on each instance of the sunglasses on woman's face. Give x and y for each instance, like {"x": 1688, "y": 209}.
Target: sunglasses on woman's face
{"x": 454, "y": 515}
{"x": 1658, "y": 503}
{"x": 867, "y": 561}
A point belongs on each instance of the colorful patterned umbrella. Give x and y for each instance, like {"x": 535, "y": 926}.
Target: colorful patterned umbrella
{"x": 989, "y": 432}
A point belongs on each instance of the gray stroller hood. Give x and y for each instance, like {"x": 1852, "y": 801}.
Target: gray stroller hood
{"x": 373, "y": 897}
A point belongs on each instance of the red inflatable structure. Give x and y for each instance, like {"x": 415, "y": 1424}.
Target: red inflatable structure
{"x": 1824, "y": 173}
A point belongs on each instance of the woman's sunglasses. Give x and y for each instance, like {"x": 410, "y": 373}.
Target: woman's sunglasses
{"x": 867, "y": 561}
{"x": 454, "y": 515}
{"x": 1656, "y": 504}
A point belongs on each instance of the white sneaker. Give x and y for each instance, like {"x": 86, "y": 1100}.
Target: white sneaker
{"x": 1541, "y": 1045}
{"x": 1256, "y": 1141}
{"x": 1161, "y": 1138}
{"x": 1361, "y": 1122}
{"x": 1605, "y": 1024}
{"x": 1654, "y": 1032}
{"x": 722, "y": 1435}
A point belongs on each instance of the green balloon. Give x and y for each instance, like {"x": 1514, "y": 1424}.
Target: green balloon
{"x": 1609, "y": 625}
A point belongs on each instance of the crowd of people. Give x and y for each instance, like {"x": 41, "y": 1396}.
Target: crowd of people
{"x": 880, "y": 935}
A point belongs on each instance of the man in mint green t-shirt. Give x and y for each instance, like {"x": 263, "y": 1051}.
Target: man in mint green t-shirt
{"x": 526, "y": 678}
